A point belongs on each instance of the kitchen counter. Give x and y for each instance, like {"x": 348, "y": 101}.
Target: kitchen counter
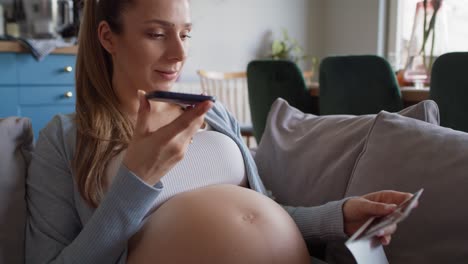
{"x": 13, "y": 46}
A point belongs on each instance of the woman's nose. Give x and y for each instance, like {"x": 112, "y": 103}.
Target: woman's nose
{"x": 177, "y": 50}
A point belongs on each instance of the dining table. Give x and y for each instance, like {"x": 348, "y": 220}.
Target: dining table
{"x": 409, "y": 94}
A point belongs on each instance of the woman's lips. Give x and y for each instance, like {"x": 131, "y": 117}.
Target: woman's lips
{"x": 168, "y": 75}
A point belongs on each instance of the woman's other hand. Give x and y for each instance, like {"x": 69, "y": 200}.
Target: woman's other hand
{"x": 357, "y": 211}
{"x": 151, "y": 154}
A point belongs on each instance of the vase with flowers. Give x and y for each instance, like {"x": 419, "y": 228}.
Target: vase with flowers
{"x": 424, "y": 45}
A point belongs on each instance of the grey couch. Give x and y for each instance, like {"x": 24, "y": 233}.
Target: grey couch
{"x": 309, "y": 160}
{"x": 16, "y": 144}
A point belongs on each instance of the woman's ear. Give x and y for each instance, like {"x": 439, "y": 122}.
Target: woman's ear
{"x": 106, "y": 37}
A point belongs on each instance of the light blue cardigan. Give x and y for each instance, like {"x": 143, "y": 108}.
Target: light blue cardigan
{"x": 61, "y": 228}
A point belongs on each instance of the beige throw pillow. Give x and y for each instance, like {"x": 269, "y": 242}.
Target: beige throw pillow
{"x": 407, "y": 154}
{"x": 307, "y": 160}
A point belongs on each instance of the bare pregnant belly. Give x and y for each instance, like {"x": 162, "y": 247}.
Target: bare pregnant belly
{"x": 219, "y": 224}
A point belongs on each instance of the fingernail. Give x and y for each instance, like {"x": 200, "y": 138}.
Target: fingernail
{"x": 207, "y": 107}
{"x": 141, "y": 93}
{"x": 381, "y": 233}
{"x": 390, "y": 206}
{"x": 384, "y": 241}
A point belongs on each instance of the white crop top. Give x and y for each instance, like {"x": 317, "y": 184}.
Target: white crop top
{"x": 211, "y": 158}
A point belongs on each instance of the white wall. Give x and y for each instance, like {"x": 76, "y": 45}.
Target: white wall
{"x": 229, "y": 33}
{"x": 347, "y": 27}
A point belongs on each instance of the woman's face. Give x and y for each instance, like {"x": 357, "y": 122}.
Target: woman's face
{"x": 151, "y": 50}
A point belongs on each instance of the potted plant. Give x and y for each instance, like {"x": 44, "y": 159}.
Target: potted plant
{"x": 287, "y": 48}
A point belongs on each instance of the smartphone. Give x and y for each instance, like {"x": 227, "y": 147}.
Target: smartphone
{"x": 375, "y": 224}
{"x": 183, "y": 99}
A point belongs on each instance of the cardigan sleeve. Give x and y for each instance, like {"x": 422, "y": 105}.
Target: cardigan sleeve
{"x": 54, "y": 232}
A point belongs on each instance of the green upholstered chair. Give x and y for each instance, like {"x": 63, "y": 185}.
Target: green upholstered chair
{"x": 449, "y": 89}
{"x": 357, "y": 85}
{"x": 269, "y": 79}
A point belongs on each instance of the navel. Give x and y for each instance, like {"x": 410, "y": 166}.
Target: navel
{"x": 249, "y": 217}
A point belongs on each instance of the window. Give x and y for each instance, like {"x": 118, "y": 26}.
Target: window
{"x": 453, "y": 13}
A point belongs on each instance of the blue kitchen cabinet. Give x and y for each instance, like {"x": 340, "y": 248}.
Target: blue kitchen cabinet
{"x": 8, "y": 101}
{"x": 53, "y": 70}
{"x": 37, "y": 90}
{"x": 51, "y": 95}
{"x": 8, "y": 73}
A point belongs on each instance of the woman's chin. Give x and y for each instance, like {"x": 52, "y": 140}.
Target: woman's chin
{"x": 162, "y": 86}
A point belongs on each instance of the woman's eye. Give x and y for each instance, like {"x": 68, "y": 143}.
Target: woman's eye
{"x": 156, "y": 35}
{"x": 185, "y": 36}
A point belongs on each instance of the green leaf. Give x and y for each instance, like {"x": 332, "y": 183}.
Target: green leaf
{"x": 287, "y": 48}
{"x": 277, "y": 47}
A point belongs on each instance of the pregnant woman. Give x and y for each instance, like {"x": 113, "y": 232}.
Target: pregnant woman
{"x": 128, "y": 180}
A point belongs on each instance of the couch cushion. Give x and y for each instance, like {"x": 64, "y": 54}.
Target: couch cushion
{"x": 15, "y": 154}
{"x": 306, "y": 160}
{"x": 406, "y": 154}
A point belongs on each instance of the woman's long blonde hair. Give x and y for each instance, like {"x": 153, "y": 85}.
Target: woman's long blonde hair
{"x": 103, "y": 130}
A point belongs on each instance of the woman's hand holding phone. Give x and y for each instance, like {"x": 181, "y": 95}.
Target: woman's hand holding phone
{"x": 151, "y": 154}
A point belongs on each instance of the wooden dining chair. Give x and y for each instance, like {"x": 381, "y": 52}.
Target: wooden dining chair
{"x": 230, "y": 88}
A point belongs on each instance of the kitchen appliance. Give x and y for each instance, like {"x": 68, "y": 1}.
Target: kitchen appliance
{"x": 48, "y": 18}
{"x": 2, "y": 21}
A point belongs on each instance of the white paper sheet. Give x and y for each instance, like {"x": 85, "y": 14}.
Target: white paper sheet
{"x": 367, "y": 251}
